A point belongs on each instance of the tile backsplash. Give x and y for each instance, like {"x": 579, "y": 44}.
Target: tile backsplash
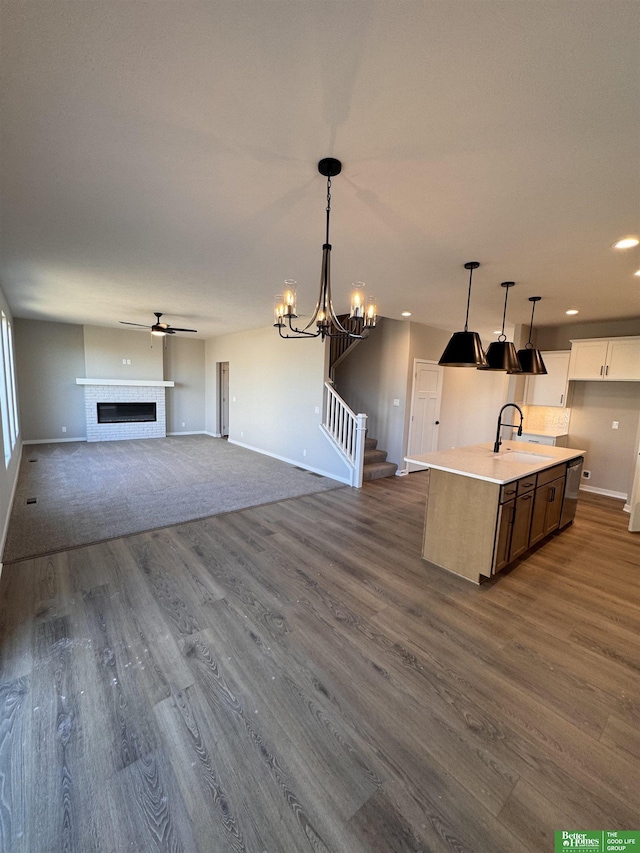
{"x": 546, "y": 419}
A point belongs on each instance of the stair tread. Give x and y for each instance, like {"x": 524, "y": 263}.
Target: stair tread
{"x": 370, "y": 443}
{"x": 371, "y": 456}
{"x": 377, "y": 470}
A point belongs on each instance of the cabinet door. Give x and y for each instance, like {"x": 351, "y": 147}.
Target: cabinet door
{"x": 588, "y": 359}
{"x": 547, "y": 508}
{"x": 550, "y": 389}
{"x": 623, "y": 360}
{"x": 521, "y": 525}
{"x": 503, "y": 536}
{"x": 554, "y": 505}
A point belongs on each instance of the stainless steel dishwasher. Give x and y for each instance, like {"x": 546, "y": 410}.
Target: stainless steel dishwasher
{"x": 572, "y": 486}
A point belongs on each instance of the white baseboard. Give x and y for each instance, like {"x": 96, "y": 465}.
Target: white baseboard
{"x": 53, "y": 440}
{"x": 212, "y": 434}
{"x": 627, "y": 508}
{"x": 5, "y": 530}
{"x": 295, "y": 462}
{"x": 189, "y": 432}
{"x": 621, "y": 496}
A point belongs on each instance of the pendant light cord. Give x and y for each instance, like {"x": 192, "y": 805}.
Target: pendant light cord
{"x": 533, "y": 308}
{"x": 466, "y": 319}
{"x": 502, "y": 336}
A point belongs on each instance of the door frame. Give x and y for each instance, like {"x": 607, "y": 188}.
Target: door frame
{"x": 220, "y": 398}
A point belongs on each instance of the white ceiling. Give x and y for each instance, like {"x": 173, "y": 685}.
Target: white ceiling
{"x": 161, "y": 156}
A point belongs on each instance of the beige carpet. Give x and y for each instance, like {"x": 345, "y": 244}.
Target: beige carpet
{"x": 87, "y": 492}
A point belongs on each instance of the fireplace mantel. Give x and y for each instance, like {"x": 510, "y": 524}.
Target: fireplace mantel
{"x": 140, "y": 382}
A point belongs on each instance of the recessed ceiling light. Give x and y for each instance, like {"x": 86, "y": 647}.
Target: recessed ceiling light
{"x": 637, "y": 272}
{"x": 626, "y": 243}
{"x": 571, "y": 311}
{"x": 406, "y": 313}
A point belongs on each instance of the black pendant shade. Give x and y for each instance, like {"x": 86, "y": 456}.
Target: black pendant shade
{"x": 501, "y": 354}
{"x": 530, "y": 359}
{"x": 465, "y": 348}
{"x": 531, "y": 362}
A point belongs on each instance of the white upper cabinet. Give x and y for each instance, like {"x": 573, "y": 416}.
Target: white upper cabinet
{"x": 550, "y": 388}
{"x": 613, "y": 359}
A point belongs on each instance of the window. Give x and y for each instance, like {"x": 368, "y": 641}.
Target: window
{"x": 8, "y": 398}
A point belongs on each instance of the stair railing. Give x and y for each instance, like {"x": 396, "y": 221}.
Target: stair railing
{"x": 346, "y": 431}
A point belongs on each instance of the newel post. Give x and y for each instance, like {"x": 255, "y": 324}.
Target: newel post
{"x": 361, "y": 432}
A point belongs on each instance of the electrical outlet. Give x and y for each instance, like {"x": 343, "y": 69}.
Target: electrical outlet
{"x": 396, "y": 402}
{"x": 64, "y": 429}
{"x": 183, "y": 423}
{"x": 615, "y": 424}
{"x": 304, "y": 452}
{"x": 241, "y": 434}
{"x": 586, "y": 474}
{"x": 124, "y": 360}
{"x": 317, "y": 410}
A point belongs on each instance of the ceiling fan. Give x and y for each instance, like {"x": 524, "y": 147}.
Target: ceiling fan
{"x": 159, "y": 328}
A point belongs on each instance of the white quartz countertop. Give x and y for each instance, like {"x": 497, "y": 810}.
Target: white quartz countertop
{"x": 480, "y": 462}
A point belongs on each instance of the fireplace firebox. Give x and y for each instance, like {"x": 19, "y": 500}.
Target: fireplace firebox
{"x": 121, "y": 413}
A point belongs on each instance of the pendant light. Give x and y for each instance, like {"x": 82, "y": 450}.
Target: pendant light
{"x": 501, "y": 354}
{"x": 324, "y": 321}
{"x": 465, "y": 348}
{"x": 530, "y": 358}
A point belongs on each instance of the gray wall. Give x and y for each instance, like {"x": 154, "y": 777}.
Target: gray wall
{"x": 184, "y": 363}
{"x": 560, "y": 337}
{"x": 105, "y": 349}
{"x": 276, "y": 395}
{"x": 8, "y": 475}
{"x": 471, "y": 401}
{"x": 595, "y": 405}
{"x": 49, "y": 358}
{"x": 372, "y": 376}
{"x": 610, "y": 452}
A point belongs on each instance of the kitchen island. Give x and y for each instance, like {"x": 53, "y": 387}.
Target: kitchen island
{"x": 486, "y": 509}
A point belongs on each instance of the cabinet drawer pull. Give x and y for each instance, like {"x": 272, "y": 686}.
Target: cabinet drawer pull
{"x": 526, "y": 497}
{"x": 527, "y": 485}
{"x": 606, "y": 373}
{"x": 561, "y": 399}
{"x": 552, "y": 494}
{"x": 601, "y": 369}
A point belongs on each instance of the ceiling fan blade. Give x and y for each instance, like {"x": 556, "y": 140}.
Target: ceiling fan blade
{"x": 142, "y": 325}
{"x": 176, "y": 329}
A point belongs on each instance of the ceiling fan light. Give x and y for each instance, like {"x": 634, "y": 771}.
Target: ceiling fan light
{"x": 159, "y": 333}
{"x": 463, "y": 350}
{"x": 531, "y": 362}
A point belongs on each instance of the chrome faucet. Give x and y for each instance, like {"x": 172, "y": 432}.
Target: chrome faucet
{"x": 496, "y": 446}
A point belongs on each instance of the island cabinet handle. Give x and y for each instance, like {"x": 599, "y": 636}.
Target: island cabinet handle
{"x": 601, "y": 369}
{"x": 606, "y": 373}
{"x": 527, "y": 497}
{"x": 552, "y": 494}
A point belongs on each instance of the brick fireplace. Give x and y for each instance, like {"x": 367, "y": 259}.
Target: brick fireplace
{"x": 124, "y": 391}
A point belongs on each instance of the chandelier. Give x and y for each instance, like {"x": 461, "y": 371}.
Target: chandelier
{"x": 324, "y": 322}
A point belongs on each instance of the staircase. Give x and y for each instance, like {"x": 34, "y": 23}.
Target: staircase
{"x": 375, "y": 462}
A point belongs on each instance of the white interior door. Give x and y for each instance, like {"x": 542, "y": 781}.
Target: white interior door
{"x": 425, "y": 408}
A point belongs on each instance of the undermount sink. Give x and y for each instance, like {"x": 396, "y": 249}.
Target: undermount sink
{"x": 520, "y": 456}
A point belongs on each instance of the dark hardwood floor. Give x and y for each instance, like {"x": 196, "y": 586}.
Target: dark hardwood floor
{"x": 295, "y": 677}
